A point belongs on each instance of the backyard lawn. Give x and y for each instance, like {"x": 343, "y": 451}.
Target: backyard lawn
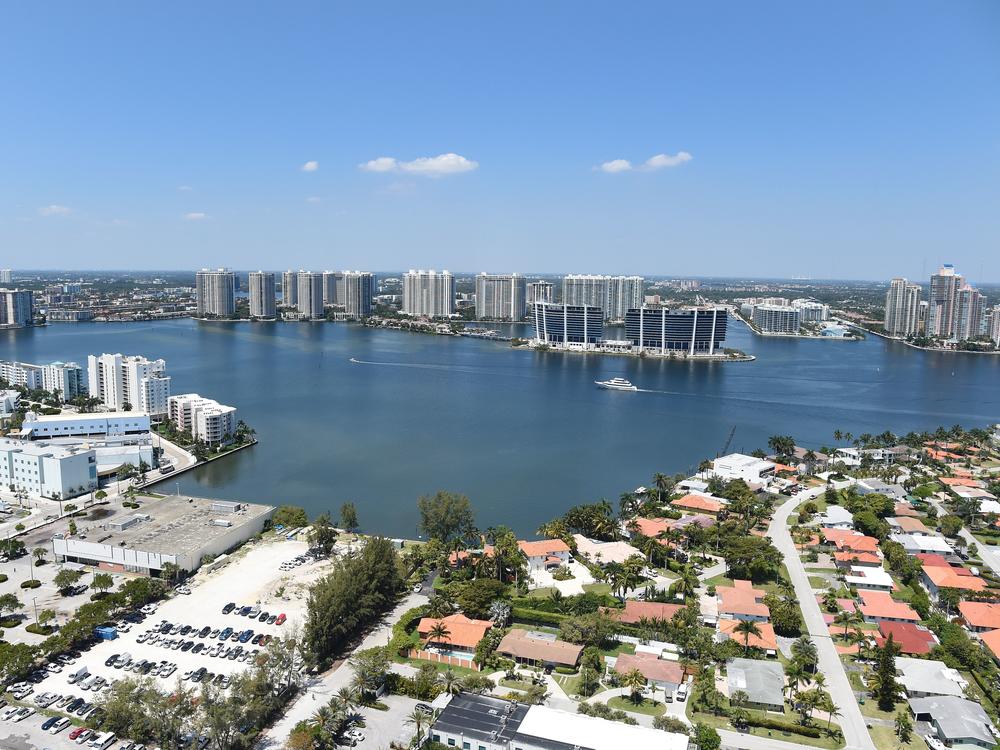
{"x": 647, "y": 707}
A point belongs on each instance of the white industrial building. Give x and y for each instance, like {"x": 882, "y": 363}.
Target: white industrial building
{"x": 98, "y": 425}
{"x": 47, "y": 470}
{"x": 178, "y": 530}
{"x": 205, "y": 419}
{"x": 118, "y": 380}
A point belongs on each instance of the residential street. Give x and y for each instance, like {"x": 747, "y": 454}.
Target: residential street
{"x": 852, "y": 722}
{"x": 989, "y": 555}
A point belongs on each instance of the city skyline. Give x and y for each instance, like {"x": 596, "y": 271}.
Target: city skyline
{"x": 619, "y": 157}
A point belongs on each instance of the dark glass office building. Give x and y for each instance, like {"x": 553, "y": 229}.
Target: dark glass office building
{"x": 567, "y": 324}
{"x": 699, "y": 330}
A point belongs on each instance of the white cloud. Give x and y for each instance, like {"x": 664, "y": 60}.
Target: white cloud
{"x": 663, "y": 161}
{"x": 185, "y": 188}
{"x": 313, "y": 199}
{"x": 429, "y": 166}
{"x": 653, "y": 163}
{"x": 195, "y": 216}
{"x": 616, "y": 165}
{"x": 310, "y": 166}
{"x": 54, "y": 210}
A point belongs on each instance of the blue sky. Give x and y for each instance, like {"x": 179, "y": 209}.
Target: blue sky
{"x": 848, "y": 139}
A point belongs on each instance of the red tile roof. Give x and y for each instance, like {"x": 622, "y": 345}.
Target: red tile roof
{"x": 904, "y": 509}
{"x": 932, "y": 560}
{"x": 462, "y": 631}
{"x": 698, "y": 503}
{"x": 862, "y": 558}
{"x": 542, "y": 548}
{"x": 635, "y": 611}
{"x": 767, "y": 640}
{"x": 844, "y": 539}
{"x": 651, "y": 527}
{"x": 992, "y": 641}
{"x": 880, "y": 605}
{"x": 981, "y": 614}
{"x": 911, "y": 638}
{"x": 742, "y": 599}
{"x": 960, "y": 482}
{"x": 652, "y": 667}
{"x": 948, "y": 578}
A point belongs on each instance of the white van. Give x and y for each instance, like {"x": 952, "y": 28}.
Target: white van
{"x": 102, "y": 741}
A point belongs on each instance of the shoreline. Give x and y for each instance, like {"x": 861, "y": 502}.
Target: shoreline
{"x": 740, "y": 357}
{"x": 904, "y": 342}
{"x": 771, "y": 335}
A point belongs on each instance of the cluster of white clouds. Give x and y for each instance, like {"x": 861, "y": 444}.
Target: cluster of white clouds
{"x": 429, "y": 166}
{"x": 54, "y": 210}
{"x": 653, "y": 163}
{"x": 195, "y": 216}
{"x": 310, "y": 166}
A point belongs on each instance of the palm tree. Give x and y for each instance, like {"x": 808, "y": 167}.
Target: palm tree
{"x": 438, "y": 632}
{"x": 830, "y": 600}
{"x": 347, "y": 697}
{"x": 322, "y": 718}
{"x": 819, "y": 680}
{"x": 804, "y": 651}
{"x": 747, "y": 628}
{"x": 635, "y": 682}
{"x": 831, "y": 708}
{"x": 795, "y": 674}
{"x": 451, "y": 683}
{"x": 418, "y": 719}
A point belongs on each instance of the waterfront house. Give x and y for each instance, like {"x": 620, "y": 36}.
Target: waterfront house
{"x": 604, "y": 552}
{"x": 762, "y": 681}
{"x": 980, "y": 617}
{"x": 651, "y": 527}
{"x": 538, "y": 649}
{"x": 750, "y": 469}
{"x": 910, "y": 637}
{"x": 742, "y": 601}
{"x": 661, "y": 673}
{"x": 702, "y": 504}
{"x": 879, "y": 606}
{"x": 463, "y": 633}
{"x": 545, "y": 554}
{"x": 956, "y": 721}
{"x": 767, "y": 641}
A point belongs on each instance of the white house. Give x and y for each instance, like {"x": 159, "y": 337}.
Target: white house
{"x": 740, "y": 466}
{"x": 837, "y": 517}
{"x": 545, "y": 554}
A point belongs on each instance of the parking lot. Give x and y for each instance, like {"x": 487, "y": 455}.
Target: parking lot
{"x": 254, "y": 578}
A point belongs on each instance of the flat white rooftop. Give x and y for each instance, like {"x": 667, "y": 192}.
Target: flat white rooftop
{"x": 595, "y": 733}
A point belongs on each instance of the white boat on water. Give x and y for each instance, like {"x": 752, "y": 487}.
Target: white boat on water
{"x": 616, "y": 384}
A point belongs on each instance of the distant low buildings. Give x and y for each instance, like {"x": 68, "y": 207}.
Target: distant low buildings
{"x": 97, "y": 425}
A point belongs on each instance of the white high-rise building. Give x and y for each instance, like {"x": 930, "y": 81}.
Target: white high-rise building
{"x": 16, "y": 308}
{"x": 6, "y": 276}
{"x": 140, "y": 383}
{"x": 66, "y": 377}
{"x": 942, "y": 300}
{"x": 205, "y": 419}
{"x": 995, "y": 325}
{"x": 624, "y": 294}
{"x": 262, "y": 301}
{"x": 500, "y": 296}
{"x": 289, "y": 288}
{"x": 333, "y": 288}
{"x": 429, "y": 293}
{"x": 540, "y": 291}
{"x": 310, "y": 295}
{"x": 591, "y": 291}
{"x": 902, "y": 308}
{"x": 777, "y": 318}
{"x": 216, "y": 292}
{"x": 970, "y": 309}
{"x": 358, "y": 291}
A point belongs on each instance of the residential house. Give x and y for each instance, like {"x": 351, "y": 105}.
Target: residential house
{"x": 837, "y": 517}
{"x": 742, "y": 601}
{"x": 809, "y": 461}
{"x": 545, "y": 554}
{"x": 636, "y": 611}
{"x": 908, "y": 525}
{"x": 767, "y": 641}
{"x": 879, "y": 606}
{"x": 872, "y": 578}
{"x": 464, "y": 634}
{"x": 917, "y": 543}
{"x": 604, "y": 552}
{"x": 991, "y": 640}
{"x": 909, "y": 636}
{"x": 651, "y": 527}
{"x": 850, "y": 541}
{"x": 750, "y": 469}
{"x": 702, "y": 504}
{"x": 662, "y": 673}
{"x": 539, "y": 649}
{"x": 980, "y": 616}
{"x": 937, "y": 578}
{"x": 847, "y": 560}
{"x": 877, "y": 486}
{"x": 923, "y": 677}
{"x": 905, "y": 508}
{"x": 956, "y": 721}
{"x": 762, "y": 681}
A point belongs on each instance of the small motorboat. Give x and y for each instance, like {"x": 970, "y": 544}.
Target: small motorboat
{"x": 616, "y": 384}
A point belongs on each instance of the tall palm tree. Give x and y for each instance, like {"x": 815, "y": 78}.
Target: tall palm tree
{"x": 635, "y": 682}
{"x": 451, "y": 683}
{"x": 831, "y": 708}
{"x": 438, "y": 632}
{"x": 747, "y": 628}
{"x": 419, "y": 720}
{"x": 804, "y": 650}
{"x": 795, "y": 674}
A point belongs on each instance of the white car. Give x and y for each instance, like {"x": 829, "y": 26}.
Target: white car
{"x": 682, "y": 692}
{"x": 148, "y": 609}
{"x": 24, "y": 713}
{"x": 23, "y": 693}
{"x": 85, "y": 735}
{"x": 123, "y": 627}
{"x": 59, "y": 726}
{"x": 18, "y": 686}
{"x": 9, "y": 712}
{"x": 53, "y": 667}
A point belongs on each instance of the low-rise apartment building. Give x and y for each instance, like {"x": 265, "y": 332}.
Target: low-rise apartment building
{"x": 206, "y": 420}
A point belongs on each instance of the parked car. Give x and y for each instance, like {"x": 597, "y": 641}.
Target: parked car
{"x": 280, "y": 619}
{"x": 228, "y": 608}
{"x": 60, "y": 724}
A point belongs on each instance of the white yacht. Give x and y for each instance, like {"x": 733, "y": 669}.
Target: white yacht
{"x": 616, "y": 384}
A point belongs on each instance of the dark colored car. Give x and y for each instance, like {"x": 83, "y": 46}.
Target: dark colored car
{"x": 111, "y": 660}
{"x": 165, "y": 628}
{"x": 271, "y": 619}
{"x": 197, "y": 648}
{"x": 228, "y": 608}
{"x": 74, "y": 704}
{"x": 146, "y": 668}
{"x": 263, "y": 617}
{"x": 204, "y": 631}
{"x": 83, "y": 708}
{"x": 47, "y": 724}
{"x": 185, "y": 630}
{"x": 246, "y": 635}
{"x": 256, "y": 639}
{"x": 245, "y": 611}
{"x": 224, "y": 635}
{"x": 187, "y": 645}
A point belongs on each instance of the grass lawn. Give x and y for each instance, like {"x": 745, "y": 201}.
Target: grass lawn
{"x": 597, "y": 588}
{"x": 543, "y": 593}
{"x": 721, "y": 722}
{"x": 516, "y": 684}
{"x": 570, "y": 683}
{"x": 818, "y": 582}
{"x": 647, "y": 707}
{"x": 439, "y": 667}
{"x": 535, "y": 628}
{"x": 619, "y": 648}
{"x": 885, "y": 737}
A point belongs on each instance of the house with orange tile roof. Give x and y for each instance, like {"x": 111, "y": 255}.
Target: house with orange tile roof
{"x": 849, "y": 541}
{"x": 848, "y": 559}
{"x": 545, "y": 554}
{"x": 992, "y": 642}
{"x": 699, "y": 504}
{"x": 651, "y": 527}
{"x": 937, "y": 578}
{"x": 980, "y": 616}
{"x": 636, "y": 611}
{"x": 663, "y": 673}
{"x": 767, "y": 641}
{"x": 463, "y": 633}
{"x": 879, "y": 606}
{"x": 944, "y": 456}
{"x": 904, "y": 508}
{"x": 742, "y": 601}
{"x": 458, "y": 558}
{"x": 961, "y": 482}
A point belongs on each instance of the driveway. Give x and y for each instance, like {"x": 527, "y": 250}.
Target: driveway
{"x": 581, "y": 575}
{"x": 852, "y": 722}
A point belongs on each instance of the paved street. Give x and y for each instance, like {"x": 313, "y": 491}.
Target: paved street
{"x": 989, "y": 555}
{"x": 852, "y": 722}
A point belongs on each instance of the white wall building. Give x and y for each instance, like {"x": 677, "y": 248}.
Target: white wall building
{"x": 262, "y": 298}
{"x": 215, "y": 291}
{"x": 9, "y": 401}
{"x": 902, "y": 308}
{"x": 289, "y": 288}
{"x": 204, "y": 418}
{"x": 500, "y": 296}
{"x": 6, "y": 276}
{"x": 105, "y": 424}
{"x": 429, "y": 293}
{"x": 118, "y": 380}
{"x": 356, "y": 292}
{"x": 540, "y": 291}
{"x": 310, "y": 295}
{"x": 624, "y": 294}
{"x": 45, "y": 470}
{"x": 16, "y": 308}
{"x": 67, "y": 377}
{"x": 740, "y": 466}
{"x": 777, "y": 318}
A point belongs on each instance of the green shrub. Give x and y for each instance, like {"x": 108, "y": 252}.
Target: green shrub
{"x": 783, "y": 726}
{"x": 537, "y": 616}
{"x": 3, "y": 578}
{"x": 32, "y": 583}
{"x": 565, "y": 670}
{"x": 38, "y": 629}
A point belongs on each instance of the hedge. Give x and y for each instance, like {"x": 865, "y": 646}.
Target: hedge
{"x": 537, "y": 616}
{"x": 402, "y": 631}
{"x": 31, "y": 583}
{"x": 782, "y": 726}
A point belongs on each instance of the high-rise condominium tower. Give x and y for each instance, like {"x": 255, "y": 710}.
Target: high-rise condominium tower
{"x": 500, "y": 296}
{"x": 310, "y": 294}
{"x": 540, "y": 291}
{"x": 902, "y": 308}
{"x": 215, "y": 292}
{"x": 16, "y": 308}
{"x": 358, "y": 291}
{"x": 289, "y": 288}
{"x": 262, "y": 302}
{"x": 428, "y": 293}
{"x": 941, "y": 302}
{"x": 613, "y": 294}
